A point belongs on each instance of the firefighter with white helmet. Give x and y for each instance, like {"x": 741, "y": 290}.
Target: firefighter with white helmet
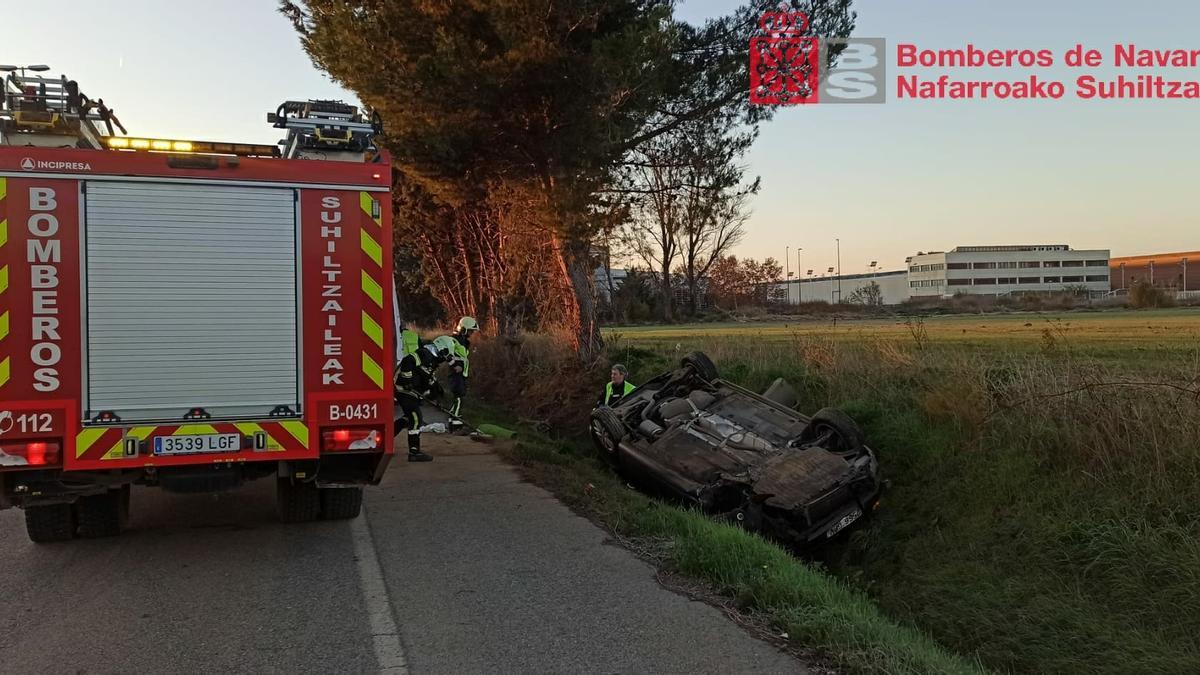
{"x": 460, "y": 364}
{"x": 415, "y": 380}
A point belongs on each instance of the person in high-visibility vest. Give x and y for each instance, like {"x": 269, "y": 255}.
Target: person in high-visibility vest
{"x": 415, "y": 380}
{"x": 460, "y": 364}
{"x": 618, "y": 387}
{"x": 410, "y": 341}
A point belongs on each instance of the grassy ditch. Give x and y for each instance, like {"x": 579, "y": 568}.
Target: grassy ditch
{"x": 1045, "y": 508}
{"x": 840, "y": 624}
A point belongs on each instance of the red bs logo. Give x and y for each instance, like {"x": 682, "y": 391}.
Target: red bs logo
{"x": 784, "y": 64}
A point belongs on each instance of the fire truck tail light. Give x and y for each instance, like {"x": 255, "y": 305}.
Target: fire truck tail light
{"x": 357, "y": 438}
{"x": 31, "y": 453}
{"x": 35, "y": 453}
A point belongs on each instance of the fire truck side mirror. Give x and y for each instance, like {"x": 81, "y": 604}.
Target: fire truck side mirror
{"x": 272, "y": 118}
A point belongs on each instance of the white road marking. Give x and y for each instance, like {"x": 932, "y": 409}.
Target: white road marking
{"x": 385, "y": 635}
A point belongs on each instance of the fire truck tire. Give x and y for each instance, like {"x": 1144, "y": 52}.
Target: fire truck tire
{"x": 102, "y": 515}
{"x": 341, "y": 503}
{"x": 298, "y": 502}
{"x": 50, "y": 523}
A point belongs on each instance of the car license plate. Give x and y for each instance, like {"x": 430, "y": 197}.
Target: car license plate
{"x": 188, "y": 444}
{"x": 844, "y": 522}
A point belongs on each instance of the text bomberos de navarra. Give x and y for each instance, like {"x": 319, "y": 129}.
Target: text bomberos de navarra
{"x": 1088, "y": 86}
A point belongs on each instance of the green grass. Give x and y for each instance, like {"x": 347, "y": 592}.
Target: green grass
{"x": 817, "y": 611}
{"x": 1152, "y": 340}
{"x": 1045, "y": 508}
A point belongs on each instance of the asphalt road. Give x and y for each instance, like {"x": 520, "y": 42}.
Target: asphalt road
{"x": 456, "y": 567}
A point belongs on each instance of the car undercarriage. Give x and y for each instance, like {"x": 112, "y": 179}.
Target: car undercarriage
{"x": 743, "y": 456}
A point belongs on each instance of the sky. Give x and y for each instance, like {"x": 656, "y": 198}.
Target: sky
{"x": 887, "y": 180}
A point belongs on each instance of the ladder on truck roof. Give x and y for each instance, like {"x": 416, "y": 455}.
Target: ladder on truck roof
{"x": 50, "y": 111}
{"x": 324, "y": 129}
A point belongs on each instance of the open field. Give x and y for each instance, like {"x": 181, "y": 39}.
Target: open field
{"x": 1045, "y": 509}
{"x": 1147, "y": 340}
{"x": 1143, "y": 327}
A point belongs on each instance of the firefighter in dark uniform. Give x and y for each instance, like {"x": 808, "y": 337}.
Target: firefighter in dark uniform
{"x": 415, "y": 380}
{"x": 460, "y": 366}
{"x": 617, "y": 388}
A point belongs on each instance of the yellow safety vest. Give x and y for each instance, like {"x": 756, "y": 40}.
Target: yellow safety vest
{"x": 410, "y": 341}
{"x": 461, "y": 353}
{"x": 608, "y": 391}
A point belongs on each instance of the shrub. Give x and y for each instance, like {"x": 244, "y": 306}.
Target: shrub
{"x": 1144, "y": 295}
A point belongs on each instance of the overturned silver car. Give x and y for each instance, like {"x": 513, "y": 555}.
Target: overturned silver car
{"x": 748, "y": 457}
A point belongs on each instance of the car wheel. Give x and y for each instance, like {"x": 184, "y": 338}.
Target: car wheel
{"x": 297, "y": 502}
{"x": 49, "y": 523}
{"x": 832, "y": 430}
{"x": 701, "y": 365}
{"x": 607, "y": 432}
{"x": 341, "y": 503}
{"x": 101, "y": 515}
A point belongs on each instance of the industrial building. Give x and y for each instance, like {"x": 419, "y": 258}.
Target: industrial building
{"x": 608, "y": 281}
{"x": 893, "y": 287}
{"x": 1006, "y": 270}
{"x": 1165, "y": 270}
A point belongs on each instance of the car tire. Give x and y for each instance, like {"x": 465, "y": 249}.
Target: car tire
{"x": 50, "y": 523}
{"x": 341, "y": 503}
{"x": 297, "y": 502}
{"x": 101, "y": 515}
{"x": 842, "y": 433}
{"x": 701, "y": 365}
{"x": 607, "y": 432}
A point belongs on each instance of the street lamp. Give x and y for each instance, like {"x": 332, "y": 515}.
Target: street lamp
{"x": 828, "y": 273}
{"x": 800, "y": 283}
{"x": 839, "y": 268}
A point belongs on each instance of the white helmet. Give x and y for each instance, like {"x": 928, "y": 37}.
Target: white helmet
{"x": 468, "y": 324}
{"x": 444, "y": 344}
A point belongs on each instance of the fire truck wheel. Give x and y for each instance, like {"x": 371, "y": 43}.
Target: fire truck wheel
{"x": 49, "y": 523}
{"x": 298, "y": 502}
{"x": 341, "y": 503}
{"x": 101, "y": 515}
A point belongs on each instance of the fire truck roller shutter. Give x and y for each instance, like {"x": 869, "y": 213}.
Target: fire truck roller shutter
{"x": 191, "y": 300}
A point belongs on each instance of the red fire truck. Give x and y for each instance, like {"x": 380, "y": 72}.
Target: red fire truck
{"x": 188, "y": 315}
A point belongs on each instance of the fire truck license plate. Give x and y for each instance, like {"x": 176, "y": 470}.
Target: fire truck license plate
{"x": 182, "y": 445}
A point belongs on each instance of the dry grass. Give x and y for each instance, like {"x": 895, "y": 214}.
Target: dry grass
{"x": 1045, "y": 514}
{"x": 1045, "y": 510}
{"x": 538, "y": 378}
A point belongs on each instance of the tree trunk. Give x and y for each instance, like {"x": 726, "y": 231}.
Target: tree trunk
{"x": 590, "y": 342}
{"x": 693, "y": 305}
{"x": 665, "y": 291}
{"x": 572, "y": 259}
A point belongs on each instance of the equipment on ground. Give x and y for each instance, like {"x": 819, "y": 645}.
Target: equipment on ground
{"x": 230, "y": 300}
